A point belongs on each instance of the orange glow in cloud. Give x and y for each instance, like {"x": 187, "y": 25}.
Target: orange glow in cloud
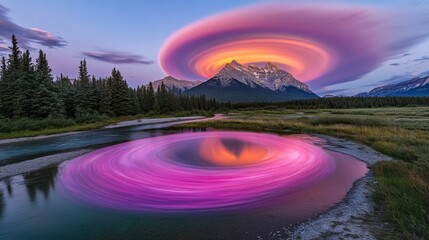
{"x": 289, "y": 53}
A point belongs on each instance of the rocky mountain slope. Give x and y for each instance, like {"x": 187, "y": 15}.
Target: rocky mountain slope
{"x": 239, "y": 83}
{"x": 175, "y": 85}
{"x": 416, "y": 87}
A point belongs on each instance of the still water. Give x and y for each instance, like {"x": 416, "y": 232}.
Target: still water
{"x": 162, "y": 184}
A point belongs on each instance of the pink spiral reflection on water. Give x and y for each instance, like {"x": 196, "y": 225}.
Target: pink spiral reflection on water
{"x": 151, "y": 175}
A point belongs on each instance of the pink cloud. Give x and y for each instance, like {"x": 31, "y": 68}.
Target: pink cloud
{"x": 318, "y": 44}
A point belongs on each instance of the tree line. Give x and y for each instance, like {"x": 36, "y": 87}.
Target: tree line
{"x": 28, "y": 90}
{"x": 337, "y": 103}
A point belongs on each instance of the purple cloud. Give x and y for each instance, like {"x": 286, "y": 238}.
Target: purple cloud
{"x": 320, "y": 44}
{"x": 422, "y": 59}
{"x": 26, "y": 36}
{"x": 117, "y": 57}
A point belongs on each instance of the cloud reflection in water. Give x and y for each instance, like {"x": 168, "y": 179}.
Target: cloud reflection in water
{"x": 220, "y": 170}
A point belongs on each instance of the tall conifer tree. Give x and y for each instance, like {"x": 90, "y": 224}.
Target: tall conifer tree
{"x": 47, "y": 101}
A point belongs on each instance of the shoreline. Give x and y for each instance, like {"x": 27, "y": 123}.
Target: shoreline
{"x": 39, "y": 163}
{"x": 129, "y": 123}
{"x": 348, "y": 218}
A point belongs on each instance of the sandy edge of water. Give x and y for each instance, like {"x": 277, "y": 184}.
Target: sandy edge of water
{"x": 345, "y": 220}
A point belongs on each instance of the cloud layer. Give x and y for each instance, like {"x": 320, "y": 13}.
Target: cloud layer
{"x": 117, "y": 57}
{"x": 25, "y": 36}
{"x": 318, "y": 44}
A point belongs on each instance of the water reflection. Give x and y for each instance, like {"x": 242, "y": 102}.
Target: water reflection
{"x": 2, "y": 203}
{"x": 35, "y": 206}
{"x": 42, "y": 182}
{"x": 21, "y": 151}
{"x": 9, "y": 190}
{"x": 8, "y": 183}
{"x": 231, "y": 152}
{"x": 241, "y": 170}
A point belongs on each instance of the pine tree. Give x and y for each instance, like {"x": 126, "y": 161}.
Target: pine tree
{"x": 121, "y": 103}
{"x": 67, "y": 93}
{"x": 106, "y": 97}
{"x": 141, "y": 94}
{"x": 156, "y": 108}
{"x": 94, "y": 96}
{"x": 9, "y": 84}
{"x": 135, "y": 104}
{"x": 149, "y": 102}
{"x": 161, "y": 97}
{"x": 166, "y": 99}
{"x": 83, "y": 101}
{"x": 26, "y": 87}
{"x": 3, "y": 83}
{"x": 46, "y": 100}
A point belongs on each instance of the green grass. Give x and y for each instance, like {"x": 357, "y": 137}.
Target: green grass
{"x": 402, "y": 193}
{"x": 15, "y": 128}
{"x": 349, "y": 120}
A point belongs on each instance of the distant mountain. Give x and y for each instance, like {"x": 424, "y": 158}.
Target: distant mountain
{"x": 417, "y": 87}
{"x": 174, "y": 85}
{"x": 239, "y": 83}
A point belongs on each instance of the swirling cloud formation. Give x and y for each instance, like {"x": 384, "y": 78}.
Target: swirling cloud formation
{"x": 318, "y": 44}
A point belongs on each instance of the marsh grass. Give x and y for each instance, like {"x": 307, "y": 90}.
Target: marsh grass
{"x": 349, "y": 120}
{"x": 402, "y": 192}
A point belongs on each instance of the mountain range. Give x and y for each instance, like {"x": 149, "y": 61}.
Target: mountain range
{"x": 416, "y": 87}
{"x": 240, "y": 83}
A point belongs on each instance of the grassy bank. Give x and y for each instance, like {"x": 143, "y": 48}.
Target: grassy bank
{"x": 402, "y": 193}
{"x": 15, "y": 128}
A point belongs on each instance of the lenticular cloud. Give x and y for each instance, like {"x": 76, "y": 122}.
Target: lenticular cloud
{"x": 319, "y": 44}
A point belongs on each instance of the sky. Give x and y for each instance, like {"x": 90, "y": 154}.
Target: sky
{"x": 336, "y": 47}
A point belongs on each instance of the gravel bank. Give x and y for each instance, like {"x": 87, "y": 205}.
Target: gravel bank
{"x": 38, "y": 163}
{"x": 150, "y": 121}
{"x": 345, "y": 220}
{"x": 24, "y": 139}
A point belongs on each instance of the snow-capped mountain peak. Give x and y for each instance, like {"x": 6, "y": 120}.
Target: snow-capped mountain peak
{"x": 414, "y": 87}
{"x": 270, "y": 76}
{"x": 271, "y": 67}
